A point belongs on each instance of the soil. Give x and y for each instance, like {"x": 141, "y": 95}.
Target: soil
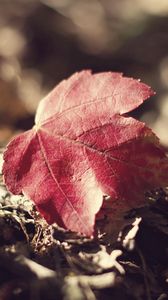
{"x": 44, "y": 262}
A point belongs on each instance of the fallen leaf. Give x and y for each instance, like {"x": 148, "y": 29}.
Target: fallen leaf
{"x": 82, "y": 147}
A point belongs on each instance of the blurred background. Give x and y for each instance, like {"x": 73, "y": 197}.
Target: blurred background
{"x": 45, "y": 41}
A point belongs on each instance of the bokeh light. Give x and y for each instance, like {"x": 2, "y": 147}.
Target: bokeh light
{"x": 43, "y": 42}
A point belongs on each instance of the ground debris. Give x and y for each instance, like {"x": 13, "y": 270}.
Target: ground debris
{"x": 41, "y": 261}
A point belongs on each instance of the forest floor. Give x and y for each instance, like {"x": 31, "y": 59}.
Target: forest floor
{"x": 44, "y": 262}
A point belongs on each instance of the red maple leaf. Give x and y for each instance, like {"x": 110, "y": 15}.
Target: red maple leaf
{"x": 84, "y": 146}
